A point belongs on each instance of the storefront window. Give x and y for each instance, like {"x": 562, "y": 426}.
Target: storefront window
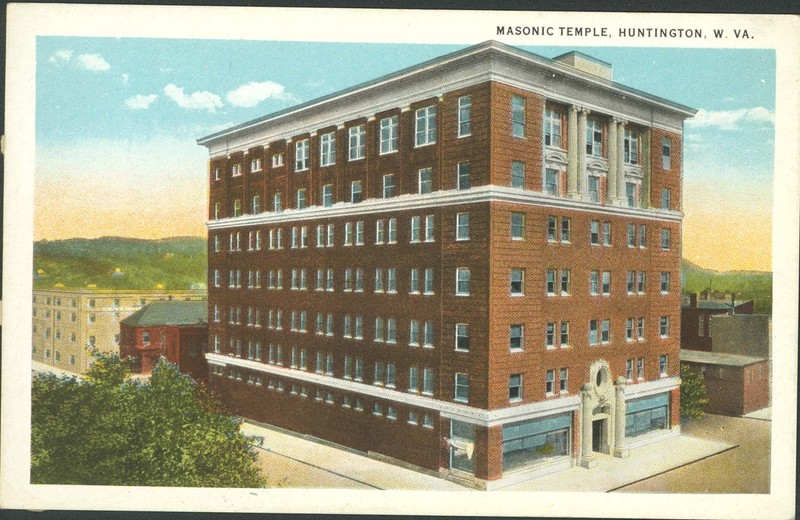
{"x": 646, "y": 415}
{"x": 531, "y": 442}
{"x": 462, "y": 443}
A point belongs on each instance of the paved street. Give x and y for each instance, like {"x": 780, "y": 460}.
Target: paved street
{"x": 745, "y": 469}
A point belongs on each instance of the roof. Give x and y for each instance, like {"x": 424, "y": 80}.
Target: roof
{"x": 169, "y": 312}
{"x": 714, "y": 305}
{"x": 468, "y": 53}
{"x": 719, "y": 358}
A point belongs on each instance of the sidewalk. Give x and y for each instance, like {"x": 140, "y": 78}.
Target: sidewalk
{"x": 765, "y": 414}
{"x": 295, "y": 461}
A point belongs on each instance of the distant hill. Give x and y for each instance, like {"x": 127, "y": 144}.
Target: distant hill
{"x": 176, "y": 263}
{"x": 747, "y": 285}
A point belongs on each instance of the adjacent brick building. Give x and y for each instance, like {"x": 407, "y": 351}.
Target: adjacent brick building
{"x": 471, "y": 265}
{"x": 696, "y": 319}
{"x": 173, "y": 329}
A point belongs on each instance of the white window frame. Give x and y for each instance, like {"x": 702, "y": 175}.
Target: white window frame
{"x": 357, "y": 143}
{"x": 301, "y": 149}
{"x": 464, "y": 116}
{"x": 425, "y": 126}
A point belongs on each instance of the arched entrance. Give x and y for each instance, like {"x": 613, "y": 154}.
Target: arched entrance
{"x": 602, "y": 414}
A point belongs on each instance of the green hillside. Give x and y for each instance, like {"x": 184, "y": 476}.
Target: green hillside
{"x": 747, "y": 285}
{"x": 121, "y": 263}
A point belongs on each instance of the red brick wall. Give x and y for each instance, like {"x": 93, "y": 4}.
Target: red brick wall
{"x": 661, "y": 178}
{"x": 756, "y": 387}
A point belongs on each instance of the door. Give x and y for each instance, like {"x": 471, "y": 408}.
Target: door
{"x": 598, "y": 436}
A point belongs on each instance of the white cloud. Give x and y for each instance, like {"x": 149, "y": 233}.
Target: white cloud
{"x": 140, "y": 101}
{"x": 125, "y": 77}
{"x": 731, "y": 119}
{"x": 62, "y": 55}
{"x": 252, "y": 93}
{"x": 93, "y": 62}
{"x": 196, "y": 100}
{"x": 165, "y": 69}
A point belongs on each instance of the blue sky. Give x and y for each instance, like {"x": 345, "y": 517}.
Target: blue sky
{"x": 114, "y": 115}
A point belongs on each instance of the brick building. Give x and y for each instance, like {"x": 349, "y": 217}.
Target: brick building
{"x": 176, "y": 330}
{"x": 69, "y": 323}
{"x": 696, "y": 319}
{"x": 470, "y": 265}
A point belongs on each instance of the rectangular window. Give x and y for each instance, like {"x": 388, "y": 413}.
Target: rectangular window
{"x": 327, "y": 149}
{"x": 392, "y": 231}
{"x": 425, "y": 178}
{"x": 413, "y": 379}
{"x": 662, "y": 365}
{"x": 276, "y": 202}
{"x": 464, "y": 171}
{"x": 517, "y": 174}
{"x": 563, "y": 381}
{"x": 391, "y": 331}
{"x": 640, "y": 282}
{"x": 256, "y": 206}
{"x": 277, "y": 160}
{"x": 550, "y": 335}
{"x": 565, "y": 229}
{"x": 565, "y": 282}
{"x": 552, "y": 128}
{"x": 564, "y": 334}
{"x": 380, "y": 230}
{"x": 663, "y": 328}
{"x": 515, "y": 337}
{"x": 320, "y": 236}
{"x": 666, "y": 196}
{"x": 552, "y": 231}
{"x": 549, "y": 385}
{"x": 594, "y": 138}
{"x": 464, "y": 116}
{"x": 551, "y": 182}
{"x": 236, "y": 170}
{"x": 429, "y": 228}
{"x": 606, "y": 282}
{"x": 666, "y": 153}
{"x": 237, "y": 208}
{"x": 631, "y": 235}
{"x": 378, "y": 330}
{"x": 517, "y": 226}
{"x": 462, "y": 226}
{"x": 462, "y": 281}
{"x": 594, "y": 188}
{"x": 358, "y": 142}
{"x": 515, "y": 388}
{"x": 355, "y": 192}
{"x": 388, "y": 186}
{"x": 605, "y": 331}
{"x": 629, "y": 324}
{"x": 329, "y": 233}
{"x": 425, "y": 130}
{"x": 640, "y": 368}
{"x": 462, "y": 337}
{"x": 413, "y": 333}
{"x": 360, "y": 233}
{"x": 594, "y": 232}
{"x": 391, "y": 280}
{"x": 630, "y": 194}
{"x": 594, "y": 282}
{"x": 461, "y": 391}
{"x": 593, "y": 328}
{"x": 348, "y": 329}
{"x": 665, "y": 239}
{"x": 427, "y": 335}
{"x": 665, "y": 282}
{"x": 517, "y": 281}
{"x": 550, "y": 282}
{"x": 378, "y": 280}
{"x": 301, "y": 155}
{"x": 390, "y": 376}
{"x": 606, "y": 233}
{"x": 517, "y": 116}
{"x": 359, "y": 369}
{"x": 427, "y": 381}
{"x": 628, "y": 369}
{"x": 348, "y": 234}
{"x": 631, "y": 147}
{"x": 359, "y": 279}
{"x": 631, "y": 282}
{"x": 428, "y": 280}
{"x": 389, "y": 134}
{"x": 301, "y": 198}
{"x": 329, "y": 280}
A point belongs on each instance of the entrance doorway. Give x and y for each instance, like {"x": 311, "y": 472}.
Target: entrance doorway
{"x": 599, "y": 441}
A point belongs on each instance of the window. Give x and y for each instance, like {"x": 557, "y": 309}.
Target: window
{"x": 329, "y": 233}
{"x": 427, "y": 381}
{"x": 380, "y": 229}
{"x": 277, "y": 160}
{"x": 517, "y": 281}
{"x": 327, "y": 149}
{"x": 145, "y": 337}
{"x": 565, "y": 229}
{"x": 427, "y": 336}
{"x": 348, "y": 279}
{"x": 642, "y": 235}
{"x": 594, "y": 282}
{"x": 217, "y": 174}
{"x": 413, "y": 379}
{"x": 416, "y": 224}
{"x": 425, "y": 132}
{"x": 665, "y": 282}
{"x": 276, "y": 202}
{"x": 662, "y": 365}
{"x": 631, "y": 147}
{"x": 564, "y": 334}
{"x": 462, "y": 337}
{"x": 428, "y": 280}
{"x": 359, "y": 279}
{"x": 425, "y": 181}
{"x": 563, "y": 381}
{"x": 515, "y": 337}
{"x": 427, "y": 421}
{"x": 606, "y": 283}
{"x": 217, "y": 211}
{"x": 517, "y": 116}
{"x": 359, "y": 233}
{"x": 629, "y": 324}
{"x": 237, "y": 208}
{"x": 355, "y": 192}
{"x": 256, "y": 206}
{"x": 348, "y": 234}
{"x": 388, "y": 186}
{"x": 391, "y": 330}
{"x": 565, "y": 282}
{"x": 549, "y": 385}
{"x": 301, "y": 155}
{"x": 550, "y": 282}
{"x": 358, "y": 142}
{"x": 301, "y": 198}
{"x": 552, "y": 128}
{"x": 255, "y": 165}
{"x": 665, "y": 239}
{"x": 462, "y": 281}
{"x": 464, "y": 170}
{"x": 236, "y": 170}
{"x": 631, "y": 282}
{"x": 378, "y": 280}
{"x": 429, "y": 226}
{"x": 517, "y": 226}
{"x": 594, "y": 138}
{"x": 663, "y": 328}
{"x": 594, "y": 232}
{"x": 551, "y": 181}
{"x": 606, "y": 233}
{"x": 640, "y": 329}
{"x": 517, "y": 174}
{"x": 550, "y": 335}
{"x": 701, "y": 325}
{"x": 414, "y": 281}
{"x": 640, "y": 282}
{"x": 666, "y": 153}
{"x": 515, "y": 388}
{"x": 462, "y": 388}
{"x": 605, "y": 331}
{"x": 666, "y": 195}
{"x": 462, "y": 226}
{"x": 593, "y": 327}
{"x": 413, "y": 418}
{"x": 377, "y": 375}
{"x": 594, "y": 188}
{"x": 464, "y": 116}
{"x": 640, "y": 368}
{"x": 413, "y": 333}
{"x": 631, "y": 235}
{"x": 389, "y": 134}
{"x": 392, "y": 231}
{"x": 327, "y": 195}
{"x": 552, "y": 224}
{"x": 628, "y": 369}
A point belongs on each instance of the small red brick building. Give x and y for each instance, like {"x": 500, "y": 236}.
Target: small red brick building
{"x": 736, "y": 384}
{"x": 696, "y": 320}
{"x": 176, "y": 330}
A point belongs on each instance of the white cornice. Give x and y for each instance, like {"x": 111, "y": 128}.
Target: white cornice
{"x": 647, "y": 388}
{"x": 481, "y": 194}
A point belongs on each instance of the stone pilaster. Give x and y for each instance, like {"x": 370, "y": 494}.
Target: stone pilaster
{"x": 583, "y": 182}
{"x": 619, "y": 419}
{"x": 572, "y": 152}
{"x": 645, "y": 139}
{"x": 613, "y": 160}
{"x": 620, "y": 172}
{"x": 588, "y": 458}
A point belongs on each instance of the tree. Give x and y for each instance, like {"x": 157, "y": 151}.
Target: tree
{"x": 693, "y": 393}
{"x": 110, "y": 429}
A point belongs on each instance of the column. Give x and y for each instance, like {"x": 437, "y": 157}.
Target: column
{"x": 619, "y": 420}
{"x": 583, "y": 188}
{"x": 621, "y": 163}
{"x": 572, "y": 152}
{"x": 645, "y": 161}
{"x": 613, "y": 159}
{"x": 588, "y": 459}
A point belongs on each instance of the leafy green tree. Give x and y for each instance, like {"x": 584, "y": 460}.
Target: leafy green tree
{"x": 110, "y": 429}
{"x": 693, "y": 394}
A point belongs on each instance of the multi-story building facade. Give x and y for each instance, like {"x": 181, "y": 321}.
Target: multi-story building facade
{"x": 69, "y": 323}
{"x": 471, "y": 265}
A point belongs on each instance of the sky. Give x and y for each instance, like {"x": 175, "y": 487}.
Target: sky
{"x": 117, "y": 121}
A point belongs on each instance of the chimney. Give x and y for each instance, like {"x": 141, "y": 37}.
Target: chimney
{"x": 693, "y": 300}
